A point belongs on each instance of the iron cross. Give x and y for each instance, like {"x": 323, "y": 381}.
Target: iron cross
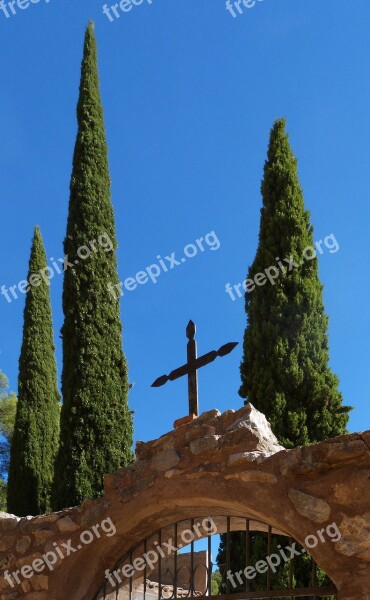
{"x": 191, "y": 367}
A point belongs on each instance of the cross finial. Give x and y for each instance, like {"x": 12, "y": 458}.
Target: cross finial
{"x": 191, "y": 330}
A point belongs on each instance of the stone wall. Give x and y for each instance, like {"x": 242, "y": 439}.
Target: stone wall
{"x": 218, "y": 464}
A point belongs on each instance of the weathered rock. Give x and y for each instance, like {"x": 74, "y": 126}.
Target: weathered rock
{"x": 346, "y": 451}
{"x": 355, "y": 536}
{"x": 208, "y": 415}
{"x": 6, "y": 542}
{"x": 67, "y": 524}
{"x": 248, "y": 430}
{"x": 9, "y": 595}
{"x": 8, "y": 522}
{"x": 255, "y": 476}
{"x": 29, "y": 524}
{"x": 347, "y": 492}
{"x": 40, "y": 582}
{"x": 312, "y": 508}
{"x": 242, "y": 458}
{"x": 210, "y": 442}
{"x": 43, "y": 519}
{"x": 23, "y": 544}
{"x": 365, "y": 436}
{"x": 199, "y": 432}
{"x": 291, "y": 463}
{"x": 173, "y": 473}
{"x": 7, "y": 561}
{"x": 93, "y": 511}
{"x": 28, "y": 560}
{"x": 166, "y": 459}
{"x": 201, "y": 475}
{"x": 258, "y": 427}
{"x": 26, "y": 586}
{"x": 142, "y": 451}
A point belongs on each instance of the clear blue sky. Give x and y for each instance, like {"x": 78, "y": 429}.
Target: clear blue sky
{"x": 190, "y": 94}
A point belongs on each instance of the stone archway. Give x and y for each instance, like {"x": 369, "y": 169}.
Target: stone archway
{"x": 226, "y": 463}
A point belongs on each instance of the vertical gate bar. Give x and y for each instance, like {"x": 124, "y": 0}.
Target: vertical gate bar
{"x": 192, "y": 562}
{"x": 209, "y": 569}
{"x": 159, "y": 566}
{"x": 175, "y": 565}
{"x": 290, "y": 567}
{"x": 228, "y": 555}
{"x": 269, "y": 549}
{"x": 104, "y": 590}
{"x": 312, "y": 572}
{"x": 314, "y": 576}
{"x": 130, "y": 593}
{"x": 144, "y": 575}
{"x": 117, "y": 590}
{"x": 247, "y": 550}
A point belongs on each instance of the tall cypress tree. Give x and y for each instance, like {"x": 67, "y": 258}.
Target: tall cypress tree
{"x": 285, "y": 372}
{"x": 96, "y": 423}
{"x": 36, "y": 433}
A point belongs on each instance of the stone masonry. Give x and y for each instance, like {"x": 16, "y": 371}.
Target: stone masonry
{"x": 217, "y": 464}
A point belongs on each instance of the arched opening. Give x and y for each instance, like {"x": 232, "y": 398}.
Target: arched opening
{"x": 187, "y": 560}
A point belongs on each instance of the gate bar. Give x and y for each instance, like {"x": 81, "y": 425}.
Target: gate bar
{"x": 247, "y": 550}
{"x": 228, "y": 555}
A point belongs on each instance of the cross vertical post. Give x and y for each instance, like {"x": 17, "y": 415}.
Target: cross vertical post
{"x": 193, "y": 373}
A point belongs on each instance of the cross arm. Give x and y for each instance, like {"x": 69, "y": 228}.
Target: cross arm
{"x": 202, "y": 361}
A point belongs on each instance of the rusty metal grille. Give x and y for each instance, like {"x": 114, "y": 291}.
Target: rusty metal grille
{"x": 172, "y": 579}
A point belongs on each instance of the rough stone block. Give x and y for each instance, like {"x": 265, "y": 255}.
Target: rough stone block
{"x": 165, "y": 459}
{"x": 254, "y": 476}
{"x": 6, "y": 542}
{"x": 6, "y": 561}
{"x": 345, "y": 451}
{"x": 312, "y": 508}
{"x": 203, "y": 444}
{"x": 184, "y": 420}
{"x": 94, "y": 513}
{"x": 355, "y": 536}
{"x": 199, "y": 432}
{"x": 209, "y": 415}
{"x": 23, "y": 544}
{"x": 8, "y": 522}
{"x": 242, "y": 458}
{"x": 67, "y": 524}
{"x": 40, "y": 582}
{"x": 173, "y": 473}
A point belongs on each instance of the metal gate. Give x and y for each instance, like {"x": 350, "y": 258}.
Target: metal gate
{"x": 156, "y": 569}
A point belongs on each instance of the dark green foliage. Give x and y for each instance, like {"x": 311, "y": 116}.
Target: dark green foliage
{"x": 96, "y": 423}
{"x": 216, "y": 579}
{"x": 3, "y": 492}
{"x": 285, "y": 372}
{"x": 36, "y": 432}
{"x": 298, "y": 574}
{"x": 258, "y": 551}
{"x": 8, "y": 407}
{"x": 237, "y": 557}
